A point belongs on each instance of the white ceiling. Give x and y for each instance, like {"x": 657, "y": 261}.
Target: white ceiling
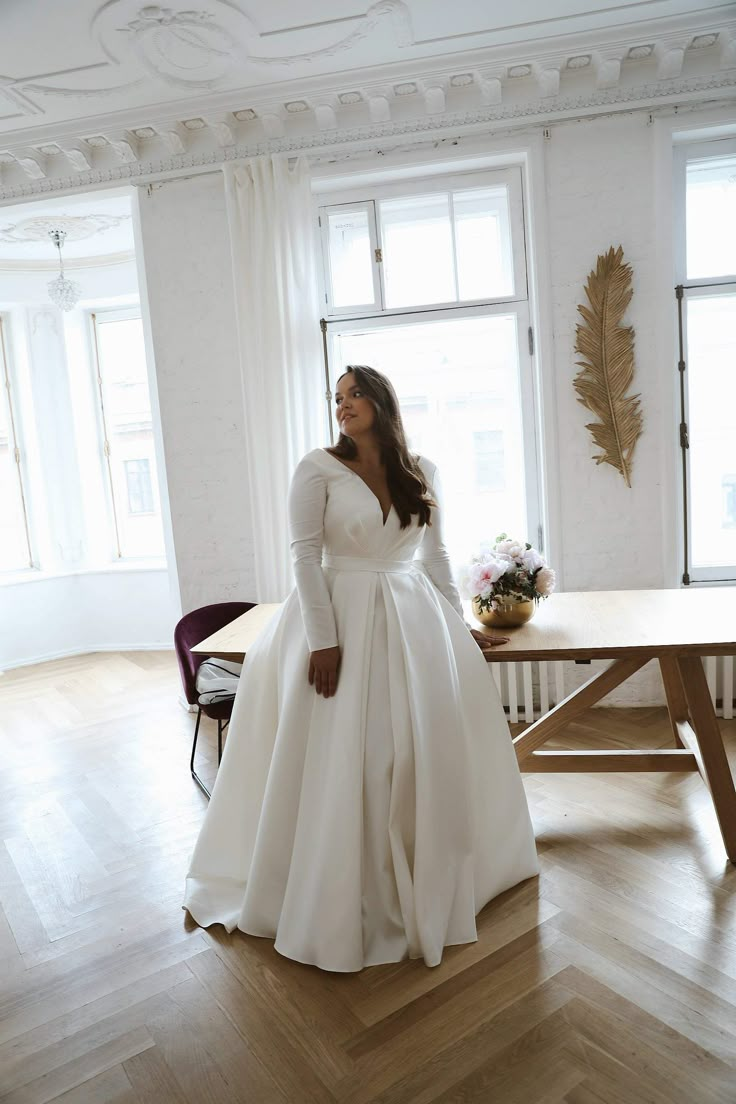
{"x": 103, "y": 218}
{"x": 65, "y": 64}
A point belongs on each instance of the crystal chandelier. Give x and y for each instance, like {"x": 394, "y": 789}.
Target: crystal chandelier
{"x": 63, "y": 293}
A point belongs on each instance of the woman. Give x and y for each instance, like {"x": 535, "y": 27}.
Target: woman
{"x": 368, "y": 803}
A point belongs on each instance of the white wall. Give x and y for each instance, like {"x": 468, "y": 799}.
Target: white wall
{"x": 600, "y": 192}
{"x": 186, "y": 254}
{"x": 58, "y": 615}
{"x": 600, "y": 183}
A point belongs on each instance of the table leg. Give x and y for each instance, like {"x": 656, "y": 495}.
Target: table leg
{"x": 675, "y": 694}
{"x": 574, "y": 704}
{"x": 715, "y": 768}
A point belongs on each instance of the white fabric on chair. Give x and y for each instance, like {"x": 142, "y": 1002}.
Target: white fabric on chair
{"x": 217, "y": 680}
{"x": 276, "y": 277}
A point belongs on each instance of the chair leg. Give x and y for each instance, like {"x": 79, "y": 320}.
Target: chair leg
{"x": 195, "y": 776}
{"x": 221, "y": 726}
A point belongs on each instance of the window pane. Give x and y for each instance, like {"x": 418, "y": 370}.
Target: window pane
{"x": 129, "y": 425}
{"x": 458, "y": 384}
{"x": 711, "y": 218}
{"x": 483, "y": 242}
{"x": 14, "y": 551}
{"x": 490, "y": 469}
{"x": 351, "y": 263}
{"x": 140, "y": 489}
{"x": 13, "y": 544}
{"x": 711, "y": 355}
{"x": 418, "y": 264}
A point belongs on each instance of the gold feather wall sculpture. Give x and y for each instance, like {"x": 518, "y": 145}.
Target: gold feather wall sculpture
{"x": 608, "y": 365}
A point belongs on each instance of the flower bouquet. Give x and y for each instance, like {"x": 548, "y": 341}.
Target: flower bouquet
{"x": 505, "y": 581}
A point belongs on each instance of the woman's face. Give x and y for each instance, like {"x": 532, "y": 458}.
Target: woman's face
{"x": 355, "y": 413}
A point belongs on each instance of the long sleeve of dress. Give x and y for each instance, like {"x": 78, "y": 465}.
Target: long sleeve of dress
{"x": 306, "y": 507}
{"x": 432, "y": 551}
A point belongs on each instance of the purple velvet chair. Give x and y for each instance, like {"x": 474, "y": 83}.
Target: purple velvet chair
{"x": 192, "y": 628}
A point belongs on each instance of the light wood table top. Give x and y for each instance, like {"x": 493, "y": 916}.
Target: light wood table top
{"x": 615, "y": 623}
{"x": 234, "y": 640}
{"x": 586, "y": 625}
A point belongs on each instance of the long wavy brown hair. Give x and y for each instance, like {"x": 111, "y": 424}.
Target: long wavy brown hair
{"x": 407, "y": 486}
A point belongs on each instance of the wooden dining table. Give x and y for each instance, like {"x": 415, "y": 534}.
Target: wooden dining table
{"x": 675, "y": 628}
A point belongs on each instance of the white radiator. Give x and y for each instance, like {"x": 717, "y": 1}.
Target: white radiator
{"x": 719, "y": 672}
{"x": 529, "y": 690}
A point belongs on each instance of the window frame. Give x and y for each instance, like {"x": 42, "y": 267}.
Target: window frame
{"x": 687, "y": 290}
{"x": 511, "y": 176}
{"x": 528, "y": 404}
{"x": 114, "y": 505}
{"x": 369, "y": 207}
{"x": 519, "y": 303}
{"x": 148, "y": 510}
{"x": 16, "y": 447}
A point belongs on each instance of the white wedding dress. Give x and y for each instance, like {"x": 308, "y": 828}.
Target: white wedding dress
{"x": 373, "y": 825}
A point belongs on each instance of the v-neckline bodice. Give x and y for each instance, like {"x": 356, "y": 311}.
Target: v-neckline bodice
{"x": 362, "y": 480}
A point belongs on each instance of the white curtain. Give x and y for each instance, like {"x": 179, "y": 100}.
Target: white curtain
{"x": 277, "y": 304}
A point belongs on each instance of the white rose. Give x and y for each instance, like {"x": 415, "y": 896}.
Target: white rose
{"x": 545, "y": 581}
{"x": 532, "y": 560}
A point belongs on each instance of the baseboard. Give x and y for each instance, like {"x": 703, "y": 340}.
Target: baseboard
{"x": 66, "y": 653}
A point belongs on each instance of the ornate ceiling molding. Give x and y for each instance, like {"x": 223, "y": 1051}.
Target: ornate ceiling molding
{"x": 186, "y": 49}
{"x": 674, "y": 69}
{"x": 199, "y": 50}
{"x": 76, "y": 227}
{"x": 201, "y": 47}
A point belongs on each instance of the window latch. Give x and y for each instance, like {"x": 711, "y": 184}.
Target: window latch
{"x": 378, "y": 254}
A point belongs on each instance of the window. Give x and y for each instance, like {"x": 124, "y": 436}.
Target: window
{"x": 127, "y": 447}
{"x": 489, "y": 460}
{"x": 707, "y": 277}
{"x": 728, "y": 517}
{"x": 140, "y": 491}
{"x": 427, "y": 282}
{"x": 432, "y": 246}
{"x": 15, "y": 540}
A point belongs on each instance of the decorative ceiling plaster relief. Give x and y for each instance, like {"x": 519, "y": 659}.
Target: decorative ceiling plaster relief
{"x": 195, "y": 49}
{"x": 15, "y": 97}
{"x": 76, "y": 228}
{"x": 203, "y": 49}
{"x": 89, "y": 93}
{"x": 392, "y": 16}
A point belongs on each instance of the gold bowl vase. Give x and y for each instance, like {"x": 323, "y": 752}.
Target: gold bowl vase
{"x": 511, "y": 612}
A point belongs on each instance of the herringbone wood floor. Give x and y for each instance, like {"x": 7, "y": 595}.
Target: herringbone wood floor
{"x": 611, "y": 979}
